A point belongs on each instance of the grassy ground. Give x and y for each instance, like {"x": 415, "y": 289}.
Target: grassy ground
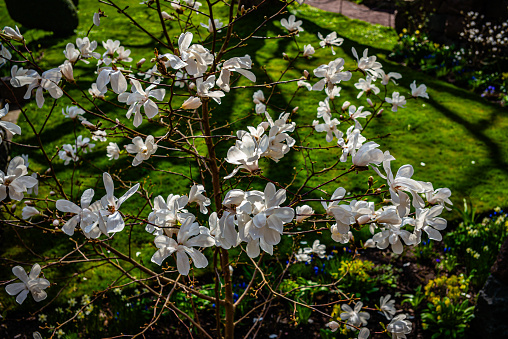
{"x": 454, "y": 140}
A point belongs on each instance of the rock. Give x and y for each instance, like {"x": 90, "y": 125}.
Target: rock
{"x": 58, "y": 16}
{"x": 492, "y": 304}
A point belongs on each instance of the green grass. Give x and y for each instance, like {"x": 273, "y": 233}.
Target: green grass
{"x": 447, "y": 133}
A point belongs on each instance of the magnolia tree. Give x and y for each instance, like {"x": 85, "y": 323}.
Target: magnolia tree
{"x": 219, "y": 222}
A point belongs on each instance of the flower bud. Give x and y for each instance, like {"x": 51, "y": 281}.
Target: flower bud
{"x": 285, "y": 56}
{"x": 370, "y": 102}
{"x": 13, "y": 208}
{"x": 52, "y": 193}
{"x": 346, "y": 105}
{"x": 380, "y": 112}
{"x": 295, "y": 109}
{"x": 165, "y": 15}
{"x": 56, "y": 223}
{"x": 140, "y": 62}
{"x": 306, "y": 74}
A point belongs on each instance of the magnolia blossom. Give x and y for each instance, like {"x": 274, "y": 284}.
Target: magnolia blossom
{"x": 366, "y": 86}
{"x": 333, "y": 325}
{"x": 29, "y": 283}
{"x": 84, "y": 144}
{"x": 190, "y": 235}
{"x": 366, "y": 63}
{"x": 115, "y": 76}
{"x": 317, "y": 248}
{"x": 109, "y": 216}
{"x": 385, "y": 78}
{"x": 73, "y": 112}
{"x": 113, "y": 151}
{"x": 191, "y": 103}
{"x": 291, "y": 24}
{"x": 97, "y": 19}
{"x": 308, "y": 51}
{"x": 259, "y": 99}
{"x": 367, "y": 154}
{"x": 396, "y": 100}
{"x": 235, "y": 64}
{"x": 111, "y": 47}
{"x": 28, "y": 212}
{"x": 399, "y": 327}
{"x": 11, "y": 127}
{"x": 47, "y": 81}
{"x": 223, "y": 230}
{"x": 166, "y": 214}
{"x": 216, "y": 22}
{"x": 354, "y": 114}
{"x": 246, "y": 153}
{"x": 196, "y": 196}
{"x": 68, "y": 153}
{"x": 96, "y": 93}
{"x": 16, "y": 181}
{"x": 332, "y": 74}
{"x": 354, "y": 316}
{"x": 204, "y": 87}
{"x": 330, "y": 40}
{"x": 67, "y": 71}
{"x": 427, "y": 220}
{"x": 440, "y": 196}
{"x": 84, "y": 216}
{"x": 140, "y": 97}
{"x": 71, "y": 53}
{"x": 387, "y": 306}
{"x": 196, "y": 56}
{"x": 329, "y": 126}
{"x": 303, "y": 212}
{"x": 143, "y": 150}
{"x": 392, "y": 235}
{"x": 421, "y": 91}
{"x": 13, "y": 34}
{"x": 5, "y": 55}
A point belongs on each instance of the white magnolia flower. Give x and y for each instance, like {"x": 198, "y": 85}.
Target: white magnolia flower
{"x": 291, "y": 24}
{"x": 421, "y": 91}
{"x": 30, "y": 283}
{"x": 48, "y": 81}
{"x": 68, "y": 153}
{"x": 191, "y": 103}
{"x": 28, "y": 212}
{"x": 355, "y": 140}
{"x": 167, "y": 214}
{"x": 236, "y": 64}
{"x": 354, "y": 316}
{"x": 67, "y": 71}
{"x": 396, "y": 100}
{"x": 123, "y": 55}
{"x": 330, "y": 40}
{"x": 317, "y": 248}
{"x": 13, "y": 34}
{"x": 302, "y": 256}
{"x": 246, "y": 153}
{"x": 329, "y": 126}
{"x": 96, "y": 19}
{"x": 16, "y": 181}
{"x": 110, "y": 218}
{"x": 279, "y": 142}
{"x": 308, "y": 51}
{"x": 266, "y": 227}
{"x": 364, "y": 333}
{"x": 84, "y": 215}
{"x": 427, "y": 220}
{"x": 113, "y": 151}
{"x": 189, "y": 236}
{"x": 143, "y": 150}
{"x": 204, "y": 87}
{"x": 392, "y": 235}
{"x": 354, "y": 114}
{"x": 333, "y": 325}
{"x": 303, "y": 212}
{"x": 84, "y": 144}
{"x": 71, "y": 53}
{"x": 96, "y": 93}
{"x": 223, "y": 230}
{"x": 196, "y": 56}
{"x": 387, "y": 306}
{"x": 399, "y": 327}
{"x": 73, "y": 112}
{"x": 259, "y": 99}
{"x": 140, "y": 97}
{"x": 385, "y": 78}
{"x": 440, "y": 196}
{"x": 209, "y": 27}
{"x": 366, "y": 63}
{"x": 332, "y": 74}
{"x": 196, "y": 196}
{"x": 111, "y": 47}
{"x": 99, "y": 135}
{"x": 366, "y": 86}
{"x": 301, "y": 83}
{"x": 11, "y": 127}
{"x": 87, "y": 48}
{"x": 115, "y": 76}
{"x": 5, "y": 55}
{"x": 367, "y": 154}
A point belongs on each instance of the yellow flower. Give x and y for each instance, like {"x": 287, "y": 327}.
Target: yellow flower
{"x": 404, "y": 30}
{"x": 417, "y": 32}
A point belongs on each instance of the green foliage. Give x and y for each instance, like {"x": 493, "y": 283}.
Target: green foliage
{"x": 303, "y": 291}
{"x": 478, "y": 243}
{"x": 416, "y": 299}
{"x": 446, "y": 319}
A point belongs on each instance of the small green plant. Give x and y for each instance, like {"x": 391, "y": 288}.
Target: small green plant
{"x": 446, "y": 319}
{"x": 414, "y": 299}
